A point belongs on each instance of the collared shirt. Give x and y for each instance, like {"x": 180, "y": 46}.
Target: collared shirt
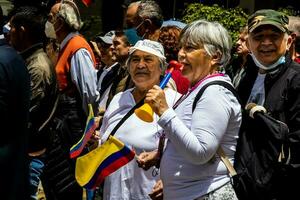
{"x": 257, "y": 94}
{"x": 105, "y": 94}
{"x": 238, "y": 76}
{"x": 83, "y": 74}
{"x": 103, "y": 74}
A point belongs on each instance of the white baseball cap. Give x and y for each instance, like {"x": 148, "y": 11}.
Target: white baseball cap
{"x": 149, "y": 46}
{"x": 108, "y": 37}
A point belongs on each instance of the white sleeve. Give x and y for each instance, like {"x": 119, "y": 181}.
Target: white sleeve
{"x": 208, "y": 125}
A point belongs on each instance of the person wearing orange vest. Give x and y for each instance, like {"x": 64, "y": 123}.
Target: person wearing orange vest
{"x": 77, "y": 81}
{"x": 63, "y": 25}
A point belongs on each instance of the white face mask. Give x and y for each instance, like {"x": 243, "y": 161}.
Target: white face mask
{"x": 49, "y": 30}
{"x": 280, "y": 61}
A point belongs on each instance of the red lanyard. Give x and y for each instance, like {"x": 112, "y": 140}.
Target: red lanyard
{"x": 194, "y": 87}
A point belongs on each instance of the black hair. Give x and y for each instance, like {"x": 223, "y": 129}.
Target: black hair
{"x": 121, "y": 33}
{"x": 33, "y": 20}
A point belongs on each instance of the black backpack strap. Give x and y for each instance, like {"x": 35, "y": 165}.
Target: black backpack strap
{"x": 222, "y": 83}
{"x": 220, "y": 151}
{"x": 128, "y": 114}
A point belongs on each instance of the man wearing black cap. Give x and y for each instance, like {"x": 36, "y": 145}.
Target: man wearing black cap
{"x": 275, "y": 84}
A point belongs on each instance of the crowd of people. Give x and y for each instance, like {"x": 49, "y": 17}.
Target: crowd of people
{"x": 50, "y": 74}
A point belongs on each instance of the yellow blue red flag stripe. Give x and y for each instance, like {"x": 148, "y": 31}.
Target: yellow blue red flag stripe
{"x": 89, "y": 129}
{"x": 92, "y": 168}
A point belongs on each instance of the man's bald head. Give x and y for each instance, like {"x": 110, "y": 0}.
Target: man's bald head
{"x": 68, "y": 11}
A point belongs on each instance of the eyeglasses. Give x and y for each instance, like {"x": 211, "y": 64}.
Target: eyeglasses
{"x": 138, "y": 26}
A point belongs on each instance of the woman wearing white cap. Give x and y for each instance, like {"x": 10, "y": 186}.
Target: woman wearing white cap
{"x": 190, "y": 168}
{"x": 146, "y": 64}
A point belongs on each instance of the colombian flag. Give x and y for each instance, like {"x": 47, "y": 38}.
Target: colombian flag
{"x": 89, "y": 129}
{"x": 92, "y": 168}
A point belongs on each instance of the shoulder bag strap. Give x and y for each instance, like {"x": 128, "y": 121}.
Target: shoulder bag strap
{"x": 220, "y": 151}
{"x": 226, "y": 161}
{"x": 218, "y": 82}
{"x": 130, "y": 112}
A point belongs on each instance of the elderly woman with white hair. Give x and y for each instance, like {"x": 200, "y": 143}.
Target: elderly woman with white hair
{"x": 190, "y": 165}
{"x": 146, "y": 65}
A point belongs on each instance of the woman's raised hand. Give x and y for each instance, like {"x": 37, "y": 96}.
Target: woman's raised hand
{"x": 157, "y": 100}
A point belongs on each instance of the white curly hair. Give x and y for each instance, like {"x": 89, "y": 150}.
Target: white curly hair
{"x": 70, "y": 13}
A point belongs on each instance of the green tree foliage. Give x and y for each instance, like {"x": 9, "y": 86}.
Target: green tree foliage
{"x": 289, "y": 11}
{"x": 233, "y": 19}
{"x": 91, "y": 26}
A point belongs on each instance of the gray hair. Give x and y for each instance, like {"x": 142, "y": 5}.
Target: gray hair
{"x": 149, "y": 9}
{"x": 70, "y": 13}
{"x": 212, "y": 35}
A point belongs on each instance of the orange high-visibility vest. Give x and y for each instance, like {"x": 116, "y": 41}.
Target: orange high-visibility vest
{"x": 64, "y": 60}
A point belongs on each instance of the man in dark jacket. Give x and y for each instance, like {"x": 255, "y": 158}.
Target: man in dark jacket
{"x": 275, "y": 83}
{"x": 14, "y": 111}
{"x": 26, "y": 36}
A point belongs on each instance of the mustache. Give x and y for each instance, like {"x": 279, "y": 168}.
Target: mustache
{"x": 266, "y": 49}
{"x": 141, "y": 71}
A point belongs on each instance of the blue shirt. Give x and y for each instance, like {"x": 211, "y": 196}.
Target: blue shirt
{"x": 84, "y": 76}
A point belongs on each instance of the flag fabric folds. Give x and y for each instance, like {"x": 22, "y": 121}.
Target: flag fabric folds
{"x": 89, "y": 129}
{"x": 92, "y": 168}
